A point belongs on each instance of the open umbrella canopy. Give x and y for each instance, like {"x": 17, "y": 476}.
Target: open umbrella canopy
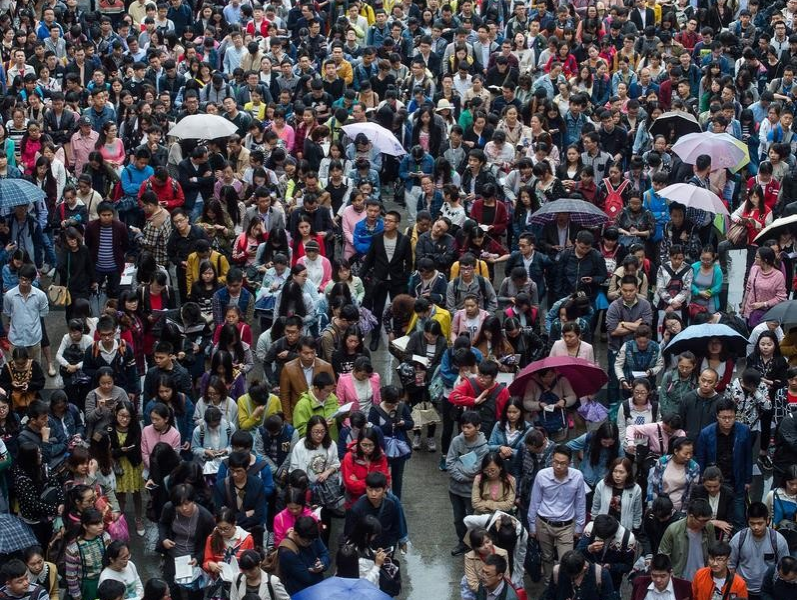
{"x": 15, "y": 534}
{"x": 342, "y": 588}
{"x": 581, "y": 212}
{"x": 784, "y": 313}
{"x": 382, "y": 139}
{"x": 695, "y": 338}
{"x": 585, "y": 377}
{"x": 695, "y": 197}
{"x": 203, "y": 127}
{"x": 18, "y": 192}
{"x": 674, "y": 124}
{"x": 724, "y": 153}
{"x": 778, "y": 226}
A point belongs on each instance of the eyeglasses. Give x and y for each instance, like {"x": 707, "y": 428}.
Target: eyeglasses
{"x": 560, "y": 463}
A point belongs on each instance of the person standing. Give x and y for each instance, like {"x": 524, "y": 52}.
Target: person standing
{"x": 24, "y": 307}
{"x": 107, "y": 241}
{"x": 714, "y": 580}
{"x": 181, "y": 244}
{"x": 557, "y": 512}
{"x": 493, "y": 584}
{"x": 386, "y": 269}
{"x": 686, "y": 541}
{"x": 660, "y": 584}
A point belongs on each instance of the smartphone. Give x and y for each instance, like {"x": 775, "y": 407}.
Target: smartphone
{"x": 152, "y": 487}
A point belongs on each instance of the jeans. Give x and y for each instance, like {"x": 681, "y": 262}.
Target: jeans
{"x": 397, "y": 475}
{"x": 463, "y": 507}
{"x": 196, "y": 212}
{"x": 49, "y": 249}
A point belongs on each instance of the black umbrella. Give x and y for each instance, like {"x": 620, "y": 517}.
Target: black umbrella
{"x": 674, "y": 124}
{"x": 784, "y": 312}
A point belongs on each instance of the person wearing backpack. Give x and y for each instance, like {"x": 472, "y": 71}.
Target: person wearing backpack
{"x": 482, "y": 394}
{"x": 613, "y": 192}
{"x": 706, "y": 581}
{"x": 252, "y": 575}
{"x": 639, "y": 355}
{"x": 302, "y": 556}
{"x": 779, "y": 581}
{"x": 574, "y": 572}
{"x": 756, "y": 548}
{"x": 606, "y": 542}
{"x": 467, "y": 284}
{"x": 170, "y": 194}
{"x": 673, "y": 286}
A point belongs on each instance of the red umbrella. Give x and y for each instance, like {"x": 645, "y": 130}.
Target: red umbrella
{"x": 585, "y": 377}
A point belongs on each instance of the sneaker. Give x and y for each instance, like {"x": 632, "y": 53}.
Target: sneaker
{"x": 270, "y": 540}
{"x": 140, "y": 528}
{"x": 459, "y": 549}
{"x": 431, "y": 446}
{"x": 765, "y": 463}
{"x": 374, "y": 345}
{"x": 51, "y": 371}
{"x": 442, "y": 464}
{"x": 50, "y": 273}
{"x": 416, "y": 441}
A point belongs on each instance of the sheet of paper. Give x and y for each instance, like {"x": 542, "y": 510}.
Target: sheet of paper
{"x": 346, "y": 408}
{"x": 469, "y": 460}
{"x": 400, "y": 344}
{"x": 505, "y": 378}
{"x": 183, "y": 570}
{"x": 229, "y": 571}
{"x": 638, "y": 374}
{"x": 211, "y": 467}
{"x": 127, "y": 275}
{"x": 421, "y": 360}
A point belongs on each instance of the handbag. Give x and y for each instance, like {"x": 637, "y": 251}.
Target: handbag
{"x": 390, "y": 578}
{"x": 59, "y": 295}
{"x": 695, "y": 309}
{"x": 592, "y": 411}
{"x": 533, "y": 562}
{"x": 424, "y": 413}
{"x": 118, "y": 530}
{"x": 396, "y": 448}
{"x": 736, "y": 233}
{"x": 328, "y": 493}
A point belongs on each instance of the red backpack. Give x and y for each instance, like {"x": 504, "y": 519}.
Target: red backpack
{"x": 614, "y": 203}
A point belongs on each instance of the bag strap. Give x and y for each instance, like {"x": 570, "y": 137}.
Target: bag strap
{"x": 662, "y": 449}
{"x": 270, "y": 588}
{"x": 728, "y": 583}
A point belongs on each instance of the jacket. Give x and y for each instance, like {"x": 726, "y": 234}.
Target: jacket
{"x": 675, "y": 544}
{"x": 442, "y": 251}
{"x": 706, "y": 453}
{"x": 630, "y": 504}
{"x": 123, "y": 365}
{"x": 222, "y": 298}
{"x": 409, "y": 165}
{"x": 681, "y": 587}
{"x": 179, "y": 248}
{"x": 774, "y": 588}
{"x": 570, "y": 270}
{"x": 170, "y": 194}
{"x": 241, "y": 542}
{"x": 698, "y": 412}
{"x": 294, "y": 567}
{"x": 461, "y": 477}
{"x": 656, "y": 484}
{"x": 121, "y": 242}
{"x": 54, "y": 451}
{"x": 254, "y": 498}
{"x": 192, "y": 189}
{"x": 76, "y": 271}
{"x": 507, "y": 593}
{"x": 205, "y": 526}
{"x": 377, "y": 268}
{"x": 354, "y": 470}
{"x": 268, "y": 582}
{"x": 703, "y": 585}
{"x": 437, "y": 288}
{"x": 293, "y": 384}
{"x": 538, "y": 269}
{"x": 716, "y": 286}
{"x": 217, "y": 259}
{"x": 346, "y": 392}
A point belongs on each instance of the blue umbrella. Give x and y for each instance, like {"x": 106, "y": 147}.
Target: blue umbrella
{"x": 581, "y": 212}
{"x": 342, "y": 588}
{"x": 18, "y": 192}
{"x": 15, "y": 534}
{"x": 695, "y": 337}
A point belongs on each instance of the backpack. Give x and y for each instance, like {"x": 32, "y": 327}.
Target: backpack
{"x": 773, "y": 540}
{"x": 202, "y": 434}
{"x": 482, "y": 289}
{"x": 654, "y": 409}
{"x": 676, "y": 284}
{"x": 598, "y": 574}
{"x": 486, "y": 409}
{"x": 614, "y": 203}
{"x": 175, "y": 188}
{"x": 271, "y": 564}
{"x": 319, "y": 347}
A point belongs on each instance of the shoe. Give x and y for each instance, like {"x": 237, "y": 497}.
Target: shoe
{"x": 140, "y": 528}
{"x": 765, "y": 463}
{"x": 459, "y": 549}
{"x": 374, "y": 346}
{"x": 50, "y": 273}
{"x": 51, "y": 371}
{"x": 442, "y": 464}
{"x": 431, "y": 446}
{"x": 46, "y": 268}
{"x": 416, "y": 442}
{"x": 270, "y": 540}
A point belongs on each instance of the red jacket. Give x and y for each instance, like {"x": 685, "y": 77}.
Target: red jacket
{"x": 771, "y": 190}
{"x": 170, "y": 193}
{"x": 500, "y": 220}
{"x": 354, "y": 471}
{"x": 464, "y": 395}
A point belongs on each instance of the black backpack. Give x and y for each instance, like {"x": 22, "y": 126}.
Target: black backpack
{"x": 486, "y": 409}
{"x": 482, "y": 289}
{"x": 675, "y": 285}
{"x": 654, "y": 409}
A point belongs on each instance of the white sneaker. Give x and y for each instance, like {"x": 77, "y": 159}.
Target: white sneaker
{"x": 416, "y": 442}
{"x": 431, "y": 446}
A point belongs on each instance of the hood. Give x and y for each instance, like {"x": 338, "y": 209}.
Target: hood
{"x": 479, "y": 441}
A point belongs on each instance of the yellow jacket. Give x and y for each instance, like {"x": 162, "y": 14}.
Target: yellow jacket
{"x": 441, "y": 315}
{"x": 246, "y": 421}
{"x": 345, "y": 72}
{"x": 788, "y": 348}
{"x": 481, "y": 269}
{"x": 217, "y": 259}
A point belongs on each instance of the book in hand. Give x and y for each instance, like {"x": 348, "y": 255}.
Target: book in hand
{"x": 400, "y": 344}
{"x": 469, "y": 460}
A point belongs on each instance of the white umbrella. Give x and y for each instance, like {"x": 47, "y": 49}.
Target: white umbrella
{"x": 382, "y": 139}
{"x": 774, "y": 228}
{"x": 695, "y": 197}
{"x": 203, "y": 127}
{"x": 720, "y": 147}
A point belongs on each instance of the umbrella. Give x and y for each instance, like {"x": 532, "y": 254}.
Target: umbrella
{"x": 203, "y": 127}
{"x": 674, "y": 124}
{"x": 742, "y": 146}
{"x": 785, "y": 312}
{"x": 720, "y": 147}
{"x": 581, "y": 212}
{"x": 18, "y": 192}
{"x": 695, "y": 338}
{"x": 585, "y": 377}
{"x": 774, "y": 229}
{"x": 15, "y": 534}
{"x": 342, "y": 588}
{"x": 695, "y": 197}
{"x": 382, "y": 139}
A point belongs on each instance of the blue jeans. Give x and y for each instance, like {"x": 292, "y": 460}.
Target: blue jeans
{"x": 196, "y": 212}
{"x": 49, "y": 249}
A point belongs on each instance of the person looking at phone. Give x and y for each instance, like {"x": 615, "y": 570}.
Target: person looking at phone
{"x": 303, "y": 557}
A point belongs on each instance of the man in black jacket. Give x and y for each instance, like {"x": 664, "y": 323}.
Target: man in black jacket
{"x": 197, "y": 180}
{"x": 181, "y": 243}
{"x": 113, "y": 353}
{"x": 580, "y": 268}
{"x": 59, "y": 123}
{"x": 386, "y": 268}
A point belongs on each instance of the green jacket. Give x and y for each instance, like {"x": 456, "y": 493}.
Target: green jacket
{"x": 308, "y": 406}
{"x": 672, "y": 390}
{"x": 675, "y": 544}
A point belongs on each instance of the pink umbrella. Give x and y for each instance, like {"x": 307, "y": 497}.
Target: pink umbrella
{"x": 585, "y": 377}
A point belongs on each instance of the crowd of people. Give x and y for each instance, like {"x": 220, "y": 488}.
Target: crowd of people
{"x": 226, "y": 299}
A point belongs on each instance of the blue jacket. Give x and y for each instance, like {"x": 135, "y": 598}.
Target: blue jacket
{"x": 222, "y": 298}
{"x": 295, "y": 566}
{"x": 255, "y": 499}
{"x": 132, "y": 178}
{"x": 706, "y": 453}
{"x": 260, "y": 467}
{"x": 362, "y": 235}
{"x": 410, "y": 165}
{"x": 435, "y": 206}
{"x": 98, "y": 119}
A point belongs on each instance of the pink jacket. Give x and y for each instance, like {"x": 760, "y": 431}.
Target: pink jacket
{"x": 349, "y": 220}
{"x": 150, "y": 437}
{"x": 284, "y": 521}
{"x": 346, "y": 393}
{"x": 585, "y": 351}
{"x": 769, "y": 288}
{"x": 460, "y": 323}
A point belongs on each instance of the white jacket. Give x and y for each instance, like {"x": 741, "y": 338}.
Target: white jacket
{"x": 630, "y": 505}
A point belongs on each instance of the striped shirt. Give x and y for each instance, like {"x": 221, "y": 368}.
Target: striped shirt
{"x": 105, "y": 259}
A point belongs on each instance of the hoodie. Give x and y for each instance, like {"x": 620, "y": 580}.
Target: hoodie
{"x": 461, "y": 478}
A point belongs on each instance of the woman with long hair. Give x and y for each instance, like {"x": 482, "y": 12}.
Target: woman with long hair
{"x": 218, "y": 226}
{"x": 31, "y": 478}
{"x": 179, "y": 406}
{"x": 30, "y": 147}
{"x": 365, "y": 456}
{"x": 494, "y": 487}
{"x": 160, "y": 429}
{"x": 683, "y": 473}
{"x": 618, "y": 495}
{"x": 599, "y": 448}
{"x": 492, "y": 343}
{"x": 119, "y": 567}
{"x": 294, "y": 300}
{"x": 230, "y": 340}
{"x": 765, "y": 287}
{"x": 221, "y": 366}
{"x": 506, "y": 438}
{"x": 111, "y": 147}
{"x": 227, "y": 541}
{"x": 304, "y": 234}
{"x": 204, "y": 288}
{"x": 361, "y": 385}
{"x": 426, "y": 132}
{"x": 101, "y": 402}
{"x": 125, "y": 435}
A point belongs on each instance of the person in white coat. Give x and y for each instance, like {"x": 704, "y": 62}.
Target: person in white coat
{"x": 618, "y": 495}
{"x": 269, "y": 586}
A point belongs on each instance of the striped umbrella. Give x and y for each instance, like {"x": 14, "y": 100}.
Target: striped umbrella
{"x": 581, "y": 212}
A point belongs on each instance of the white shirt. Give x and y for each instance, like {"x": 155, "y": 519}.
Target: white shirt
{"x": 654, "y": 594}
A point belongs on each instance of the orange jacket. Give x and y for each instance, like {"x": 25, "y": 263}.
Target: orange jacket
{"x": 703, "y": 585}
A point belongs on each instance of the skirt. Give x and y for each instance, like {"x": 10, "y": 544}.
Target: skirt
{"x": 131, "y": 480}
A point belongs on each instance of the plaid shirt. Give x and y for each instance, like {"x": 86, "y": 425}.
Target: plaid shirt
{"x": 154, "y": 238}
{"x": 656, "y": 480}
